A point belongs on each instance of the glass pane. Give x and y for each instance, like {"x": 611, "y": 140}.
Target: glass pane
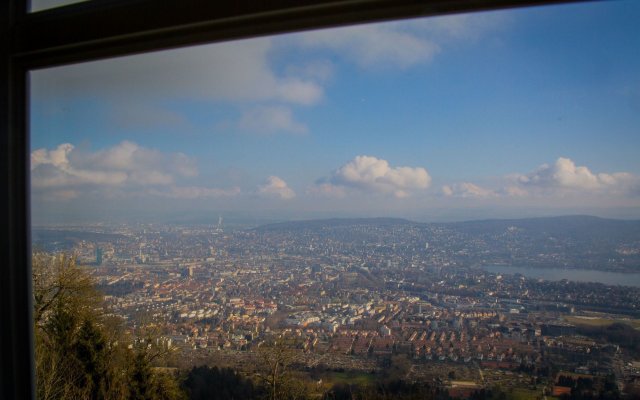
{"x": 442, "y": 205}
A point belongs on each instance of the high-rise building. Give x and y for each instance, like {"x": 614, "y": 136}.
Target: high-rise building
{"x": 219, "y": 226}
{"x": 98, "y": 255}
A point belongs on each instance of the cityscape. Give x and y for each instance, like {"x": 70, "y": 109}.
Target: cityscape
{"x": 357, "y": 293}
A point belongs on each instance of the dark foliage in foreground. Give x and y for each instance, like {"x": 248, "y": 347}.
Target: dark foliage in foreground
{"x": 205, "y": 383}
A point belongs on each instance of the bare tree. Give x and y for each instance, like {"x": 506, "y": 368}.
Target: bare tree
{"x": 83, "y": 354}
{"x": 276, "y": 358}
{"x": 57, "y": 279}
{"x": 63, "y": 295}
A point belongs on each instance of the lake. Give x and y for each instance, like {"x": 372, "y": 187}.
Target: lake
{"x": 577, "y": 275}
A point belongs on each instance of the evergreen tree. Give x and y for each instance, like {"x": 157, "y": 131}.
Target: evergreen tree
{"x": 140, "y": 378}
{"x": 90, "y": 350}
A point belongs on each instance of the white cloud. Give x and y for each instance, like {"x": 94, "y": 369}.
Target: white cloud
{"x": 52, "y": 168}
{"x": 123, "y": 164}
{"x": 56, "y": 157}
{"x": 401, "y": 43}
{"x": 276, "y": 187}
{"x": 369, "y": 45}
{"x": 141, "y": 91}
{"x": 467, "y": 190}
{"x": 124, "y": 170}
{"x": 234, "y": 71}
{"x": 560, "y": 180}
{"x": 565, "y": 174}
{"x": 270, "y": 120}
{"x": 371, "y": 174}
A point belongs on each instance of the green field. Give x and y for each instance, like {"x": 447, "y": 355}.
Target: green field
{"x": 524, "y": 394}
{"x": 358, "y": 378}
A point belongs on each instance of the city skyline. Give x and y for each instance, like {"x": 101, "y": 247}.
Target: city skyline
{"x": 501, "y": 114}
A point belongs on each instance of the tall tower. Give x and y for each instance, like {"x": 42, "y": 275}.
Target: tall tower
{"x": 219, "y": 227}
{"x": 98, "y": 255}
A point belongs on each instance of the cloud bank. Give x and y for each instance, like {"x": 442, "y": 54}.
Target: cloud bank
{"x": 552, "y": 181}
{"x": 66, "y": 171}
{"x": 565, "y": 174}
{"x": 125, "y": 163}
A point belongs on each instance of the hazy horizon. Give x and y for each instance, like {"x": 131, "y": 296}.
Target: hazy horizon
{"x": 235, "y": 220}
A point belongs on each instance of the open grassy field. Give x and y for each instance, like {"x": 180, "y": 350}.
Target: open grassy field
{"x": 524, "y": 394}
{"x": 358, "y": 378}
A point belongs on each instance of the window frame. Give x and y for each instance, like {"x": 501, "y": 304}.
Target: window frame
{"x": 99, "y": 29}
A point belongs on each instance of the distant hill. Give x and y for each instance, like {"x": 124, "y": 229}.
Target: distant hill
{"x": 63, "y": 240}
{"x": 332, "y": 222}
{"x": 581, "y": 227}
{"x": 578, "y": 241}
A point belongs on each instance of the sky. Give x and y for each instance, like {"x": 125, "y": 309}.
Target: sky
{"x": 505, "y": 114}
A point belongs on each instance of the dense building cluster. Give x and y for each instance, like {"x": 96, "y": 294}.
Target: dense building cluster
{"x": 353, "y": 295}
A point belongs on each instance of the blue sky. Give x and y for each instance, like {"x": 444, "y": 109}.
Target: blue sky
{"x": 503, "y": 114}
